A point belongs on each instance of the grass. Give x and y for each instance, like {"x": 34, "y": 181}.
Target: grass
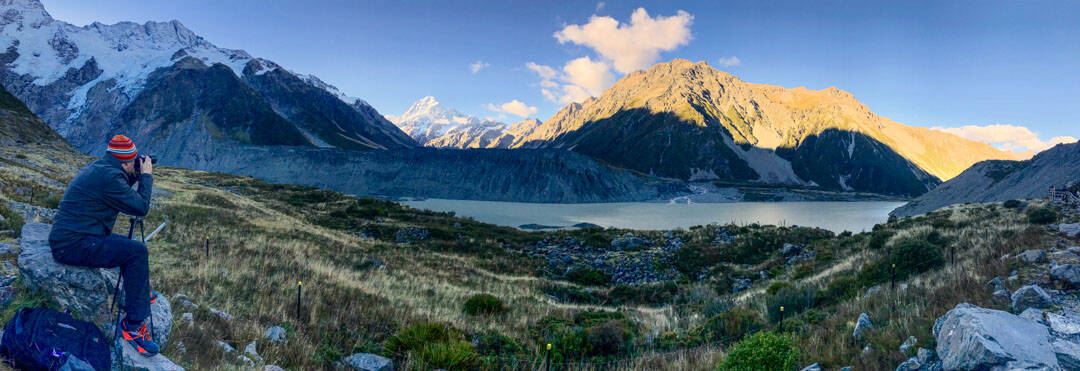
{"x": 365, "y": 292}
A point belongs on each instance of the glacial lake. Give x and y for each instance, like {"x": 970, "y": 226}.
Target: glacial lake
{"x": 855, "y": 216}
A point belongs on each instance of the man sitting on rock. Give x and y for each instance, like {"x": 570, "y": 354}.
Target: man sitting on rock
{"x": 82, "y": 233}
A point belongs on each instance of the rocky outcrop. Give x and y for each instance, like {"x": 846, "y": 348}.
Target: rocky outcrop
{"x": 647, "y": 262}
{"x": 862, "y": 326}
{"x": 973, "y": 338}
{"x": 132, "y": 360}
{"x": 997, "y": 181}
{"x": 1069, "y": 274}
{"x": 1031, "y": 296}
{"x": 83, "y": 291}
{"x": 368, "y": 362}
{"x": 508, "y": 175}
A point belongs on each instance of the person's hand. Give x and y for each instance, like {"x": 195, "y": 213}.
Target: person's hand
{"x": 147, "y": 165}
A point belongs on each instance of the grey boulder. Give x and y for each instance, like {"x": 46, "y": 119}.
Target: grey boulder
{"x": 974, "y": 338}
{"x": 132, "y": 360}
{"x": 1071, "y": 230}
{"x": 1066, "y": 273}
{"x": 1064, "y": 323}
{"x": 911, "y": 364}
{"x": 83, "y": 291}
{"x": 1032, "y": 256}
{"x": 862, "y": 326}
{"x": 813, "y": 367}
{"x": 1068, "y": 354}
{"x": 368, "y": 362}
{"x": 1031, "y": 296}
{"x": 276, "y": 334}
{"x": 908, "y": 344}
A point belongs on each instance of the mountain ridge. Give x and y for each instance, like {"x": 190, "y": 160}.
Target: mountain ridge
{"x": 997, "y": 181}
{"x": 80, "y": 79}
{"x": 698, "y": 122}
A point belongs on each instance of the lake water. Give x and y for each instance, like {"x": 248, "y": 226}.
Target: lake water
{"x": 834, "y": 216}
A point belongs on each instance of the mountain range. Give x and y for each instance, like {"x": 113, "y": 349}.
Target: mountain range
{"x": 179, "y": 96}
{"x": 690, "y": 121}
{"x": 168, "y": 87}
{"x": 433, "y": 125}
{"x": 997, "y": 181}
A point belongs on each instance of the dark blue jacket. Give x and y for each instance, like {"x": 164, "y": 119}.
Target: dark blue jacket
{"x": 100, "y": 191}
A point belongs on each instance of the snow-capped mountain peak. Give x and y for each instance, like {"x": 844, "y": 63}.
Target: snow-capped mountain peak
{"x": 431, "y": 123}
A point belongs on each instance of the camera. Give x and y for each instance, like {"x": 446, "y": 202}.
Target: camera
{"x": 138, "y": 162}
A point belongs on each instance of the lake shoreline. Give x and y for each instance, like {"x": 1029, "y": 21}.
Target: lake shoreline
{"x": 837, "y": 216}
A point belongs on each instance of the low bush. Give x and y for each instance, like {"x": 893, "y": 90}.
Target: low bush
{"x": 912, "y": 256}
{"x": 611, "y": 337}
{"x": 777, "y": 286}
{"x": 10, "y": 221}
{"x": 453, "y": 355}
{"x": 1041, "y": 215}
{"x": 589, "y": 276}
{"x": 792, "y": 300}
{"x": 691, "y": 260}
{"x": 484, "y": 304}
{"x": 731, "y": 326}
{"x": 879, "y": 238}
{"x": 419, "y": 335}
{"x": 764, "y": 351}
{"x": 1013, "y": 204}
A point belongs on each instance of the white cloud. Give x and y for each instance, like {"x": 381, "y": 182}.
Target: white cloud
{"x": 632, "y": 46}
{"x": 514, "y": 107}
{"x": 600, "y": 6}
{"x": 581, "y": 78}
{"x": 1008, "y": 137}
{"x": 728, "y": 62}
{"x": 477, "y": 66}
{"x": 593, "y": 76}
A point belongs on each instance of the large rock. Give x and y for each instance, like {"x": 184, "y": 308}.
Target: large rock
{"x": 368, "y": 362}
{"x": 862, "y": 326}
{"x": 1031, "y": 296}
{"x": 1066, "y": 273}
{"x": 1064, "y": 323}
{"x": 1032, "y": 256}
{"x": 1071, "y": 230}
{"x": 813, "y": 367}
{"x": 134, "y": 361}
{"x": 83, "y": 291}
{"x": 974, "y": 338}
{"x": 1068, "y": 354}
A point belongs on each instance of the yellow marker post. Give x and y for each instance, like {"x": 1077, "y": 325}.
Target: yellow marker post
{"x": 299, "y": 286}
{"x": 548, "y": 362}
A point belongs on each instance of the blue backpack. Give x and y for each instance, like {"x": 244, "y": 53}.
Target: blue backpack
{"x": 44, "y": 339}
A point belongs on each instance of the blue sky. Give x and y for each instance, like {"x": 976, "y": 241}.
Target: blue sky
{"x": 993, "y": 71}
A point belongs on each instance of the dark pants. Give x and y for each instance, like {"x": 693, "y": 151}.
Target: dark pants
{"x": 116, "y": 251}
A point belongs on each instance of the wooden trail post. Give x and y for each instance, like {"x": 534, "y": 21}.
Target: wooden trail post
{"x": 299, "y": 286}
{"x": 547, "y": 363}
{"x": 208, "y": 247}
{"x": 781, "y": 319}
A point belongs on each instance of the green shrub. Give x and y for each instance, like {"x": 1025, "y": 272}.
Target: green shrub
{"x": 491, "y": 343}
{"x": 792, "y": 300}
{"x": 1013, "y": 204}
{"x": 419, "y": 335}
{"x": 608, "y": 338}
{"x": 913, "y": 256}
{"x": 484, "y": 304}
{"x": 588, "y": 276}
{"x": 691, "y": 260}
{"x": 454, "y": 355}
{"x": 879, "y": 238}
{"x": 777, "y": 286}
{"x": 12, "y": 221}
{"x": 731, "y": 326}
{"x": 657, "y": 293}
{"x": 764, "y": 351}
{"x": 1042, "y": 215}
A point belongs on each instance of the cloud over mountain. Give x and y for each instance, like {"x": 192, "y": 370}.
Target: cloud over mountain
{"x": 1009, "y": 137}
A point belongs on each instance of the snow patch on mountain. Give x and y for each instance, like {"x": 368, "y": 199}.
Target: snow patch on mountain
{"x": 432, "y": 124}
{"x": 125, "y": 52}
